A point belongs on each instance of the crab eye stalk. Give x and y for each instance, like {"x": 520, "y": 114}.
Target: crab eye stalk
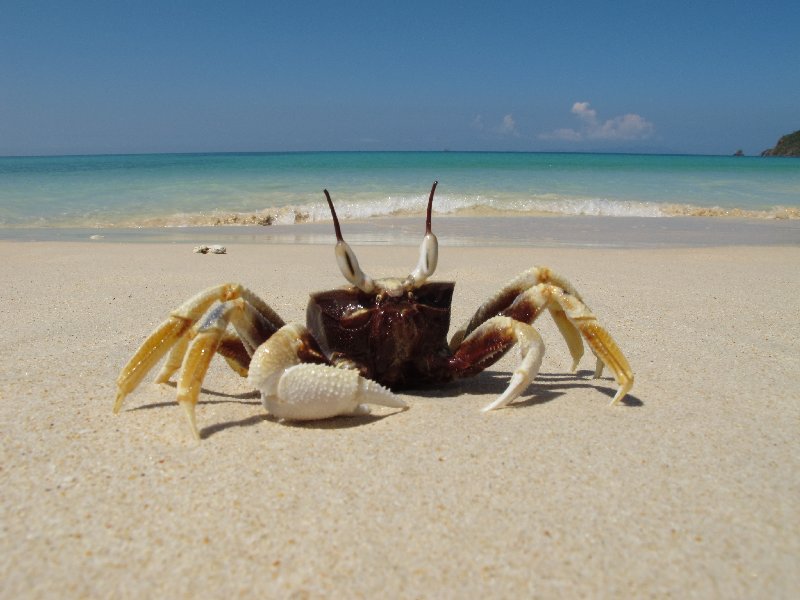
{"x": 428, "y": 250}
{"x": 346, "y": 258}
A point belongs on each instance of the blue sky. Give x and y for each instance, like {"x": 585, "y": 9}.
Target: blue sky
{"x": 117, "y": 77}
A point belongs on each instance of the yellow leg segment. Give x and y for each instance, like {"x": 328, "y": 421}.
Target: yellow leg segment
{"x": 570, "y": 335}
{"x": 148, "y": 354}
{"x": 609, "y": 353}
{"x": 174, "y": 360}
{"x": 599, "y": 340}
{"x": 193, "y": 371}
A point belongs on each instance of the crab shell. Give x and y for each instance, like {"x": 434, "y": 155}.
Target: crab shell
{"x": 400, "y": 341}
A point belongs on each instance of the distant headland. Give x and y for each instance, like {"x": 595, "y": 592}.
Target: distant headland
{"x": 788, "y": 145}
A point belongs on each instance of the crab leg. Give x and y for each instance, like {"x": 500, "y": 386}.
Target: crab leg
{"x": 176, "y": 331}
{"x": 148, "y": 354}
{"x": 294, "y": 385}
{"x": 208, "y": 336}
{"x": 505, "y": 297}
{"x": 507, "y": 302}
{"x": 235, "y": 353}
{"x": 528, "y": 294}
{"x": 489, "y": 342}
{"x": 175, "y": 358}
{"x": 581, "y": 318}
{"x": 570, "y": 335}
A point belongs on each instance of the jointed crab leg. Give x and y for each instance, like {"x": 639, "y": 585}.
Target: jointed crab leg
{"x": 175, "y": 358}
{"x": 571, "y": 336}
{"x": 507, "y": 301}
{"x": 489, "y": 342}
{"x": 209, "y": 334}
{"x": 231, "y": 348}
{"x": 527, "y": 295}
{"x": 505, "y": 297}
{"x": 600, "y": 341}
{"x": 175, "y": 332}
{"x": 148, "y": 355}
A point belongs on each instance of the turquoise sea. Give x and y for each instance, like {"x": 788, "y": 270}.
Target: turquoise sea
{"x": 176, "y": 190}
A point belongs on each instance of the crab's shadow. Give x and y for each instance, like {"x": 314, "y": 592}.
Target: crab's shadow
{"x": 545, "y": 388}
{"x": 344, "y": 422}
{"x": 249, "y": 398}
{"x": 252, "y": 398}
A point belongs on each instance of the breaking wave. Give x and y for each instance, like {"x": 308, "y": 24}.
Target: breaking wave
{"x": 361, "y": 209}
{"x": 477, "y": 207}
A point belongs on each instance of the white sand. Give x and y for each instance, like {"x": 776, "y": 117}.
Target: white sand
{"x": 690, "y": 489}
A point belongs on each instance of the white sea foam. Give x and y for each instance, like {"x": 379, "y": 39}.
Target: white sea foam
{"x": 456, "y": 205}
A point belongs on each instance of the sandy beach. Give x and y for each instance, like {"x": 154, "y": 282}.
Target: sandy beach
{"x": 690, "y": 488}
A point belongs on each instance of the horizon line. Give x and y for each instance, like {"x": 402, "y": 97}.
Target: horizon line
{"x": 443, "y": 151}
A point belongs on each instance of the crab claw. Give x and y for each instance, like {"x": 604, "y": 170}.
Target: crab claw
{"x": 297, "y": 391}
{"x": 312, "y": 391}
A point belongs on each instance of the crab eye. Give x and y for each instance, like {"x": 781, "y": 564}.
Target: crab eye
{"x": 428, "y": 250}
{"x": 348, "y": 263}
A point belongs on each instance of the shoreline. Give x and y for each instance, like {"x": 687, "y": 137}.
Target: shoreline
{"x": 528, "y": 231}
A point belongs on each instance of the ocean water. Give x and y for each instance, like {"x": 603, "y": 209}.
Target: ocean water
{"x": 175, "y": 190}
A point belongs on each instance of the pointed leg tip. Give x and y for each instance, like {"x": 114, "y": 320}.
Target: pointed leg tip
{"x": 499, "y": 402}
{"x": 517, "y": 384}
{"x": 496, "y": 405}
{"x": 621, "y": 393}
{"x": 598, "y": 368}
{"x": 118, "y": 401}
{"x": 575, "y": 364}
{"x": 188, "y": 409}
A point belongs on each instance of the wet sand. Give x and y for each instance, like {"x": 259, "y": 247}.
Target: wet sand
{"x": 690, "y": 487}
{"x": 504, "y": 231}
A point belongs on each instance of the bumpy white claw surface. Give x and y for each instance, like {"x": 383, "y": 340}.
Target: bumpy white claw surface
{"x": 312, "y": 391}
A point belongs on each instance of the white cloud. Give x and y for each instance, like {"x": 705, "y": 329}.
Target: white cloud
{"x": 584, "y": 112}
{"x": 508, "y": 126}
{"x": 625, "y": 127}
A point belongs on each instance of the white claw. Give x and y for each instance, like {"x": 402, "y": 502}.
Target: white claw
{"x": 273, "y": 357}
{"x": 306, "y": 391}
{"x": 311, "y": 391}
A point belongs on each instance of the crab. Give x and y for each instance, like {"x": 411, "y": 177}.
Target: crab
{"x": 363, "y": 342}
